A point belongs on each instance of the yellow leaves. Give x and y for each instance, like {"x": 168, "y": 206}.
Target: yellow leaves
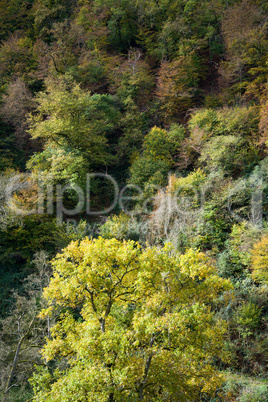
{"x": 215, "y": 382}
{"x": 46, "y": 312}
{"x": 187, "y": 185}
{"x": 100, "y": 271}
{"x": 195, "y": 264}
{"x": 126, "y": 309}
{"x": 259, "y": 259}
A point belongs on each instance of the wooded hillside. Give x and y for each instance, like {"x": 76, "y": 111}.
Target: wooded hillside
{"x": 133, "y": 200}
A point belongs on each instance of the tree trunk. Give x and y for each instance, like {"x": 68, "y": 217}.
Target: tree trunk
{"x": 14, "y": 364}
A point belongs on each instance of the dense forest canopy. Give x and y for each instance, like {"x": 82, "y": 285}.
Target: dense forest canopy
{"x": 133, "y": 200}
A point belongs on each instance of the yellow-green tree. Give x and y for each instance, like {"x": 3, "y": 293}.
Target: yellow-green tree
{"x": 259, "y": 259}
{"x": 134, "y": 324}
{"x": 159, "y": 148}
{"x": 73, "y": 118}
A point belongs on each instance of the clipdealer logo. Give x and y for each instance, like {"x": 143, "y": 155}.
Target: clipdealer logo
{"x": 49, "y": 198}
